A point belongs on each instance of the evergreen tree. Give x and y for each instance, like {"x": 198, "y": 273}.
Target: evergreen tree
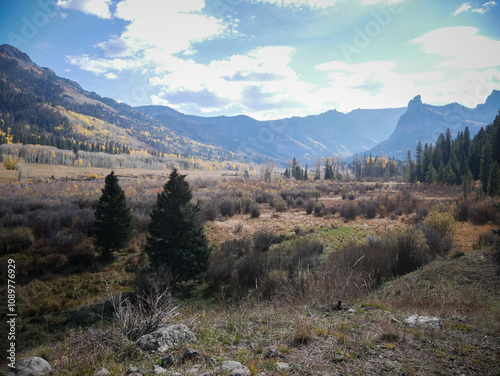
{"x": 113, "y": 221}
{"x": 467, "y": 183}
{"x": 431, "y": 175}
{"x": 175, "y": 240}
{"x": 412, "y": 173}
{"x": 493, "y": 188}
{"x": 419, "y": 167}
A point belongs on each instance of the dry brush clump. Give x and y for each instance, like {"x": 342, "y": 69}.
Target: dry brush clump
{"x": 145, "y": 312}
{"x": 479, "y": 211}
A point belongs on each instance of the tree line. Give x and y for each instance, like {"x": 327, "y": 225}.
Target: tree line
{"x": 461, "y": 160}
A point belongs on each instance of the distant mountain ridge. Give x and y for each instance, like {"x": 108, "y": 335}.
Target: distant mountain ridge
{"x": 331, "y": 133}
{"x": 423, "y": 122}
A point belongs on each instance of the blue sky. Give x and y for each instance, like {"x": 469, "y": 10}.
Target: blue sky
{"x": 265, "y": 58}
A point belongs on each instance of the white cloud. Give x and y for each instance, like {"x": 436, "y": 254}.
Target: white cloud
{"x": 462, "y": 8}
{"x": 99, "y": 8}
{"x": 461, "y": 47}
{"x": 380, "y": 85}
{"x": 111, "y": 76}
{"x": 102, "y": 66}
{"x": 465, "y": 7}
{"x": 170, "y": 26}
{"x": 366, "y": 85}
{"x": 323, "y": 3}
{"x": 260, "y": 83}
{"x": 300, "y": 3}
{"x": 385, "y": 2}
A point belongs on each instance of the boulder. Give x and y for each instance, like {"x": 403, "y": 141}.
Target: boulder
{"x": 165, "y": 338}
{"x": 32, "y": 366}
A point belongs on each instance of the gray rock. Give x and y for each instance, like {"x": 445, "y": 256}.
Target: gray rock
{"x": 190, "y": 354}
{"x": 434, "y": 322}
{"x": 282, "y": 366}
{"x": 272, "y": 352}
{"x": 102, "y": 372}
{"x": 32, "y": 366}
{"x": 165, "y": 338}
{"x": 167, "y": 361}
{"x": 135, "y": 371}
{"x": 236, "y": 368}
{"x": 157, "y": 370}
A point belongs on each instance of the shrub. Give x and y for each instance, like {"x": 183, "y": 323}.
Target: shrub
{"x": 412, "y": 251}
{"x": 262, "y": 240}
{"x": 245, "y": 204}
{"x": 317, "y": 209}
{"x": 82, "y": 254}
{"x": 349, "y": 210}
{"x": 302, "y": 254}
{"x": 147, "y": 312}
{"x": 485, "y": 239}
{"x": 237, "y": 205}
{"x": 463, "y": 210}
{"x": 15, "y": 240}
{"x": 8, "y": 162}
{"x": 310, "y": 204}
{"x": 279, "y": 204}
{"x": 438, "y": 228}
{"x": 208, "y": 211}
{"x": 254, "y": 210}
{"x": 226, "y": 207}
{"x": 483, "y": 211}
{"x": 299, "y": 201}
{"x": 394, "y": 254}
{"x": 368, "y": 208}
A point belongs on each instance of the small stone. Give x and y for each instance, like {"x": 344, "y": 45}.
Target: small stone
{"x": 236, "y": 368}
{"x": 102, "y": 372}
{"x": 157, "y": 370}
{"x": 194, "y": 370}
{"x": 190, "y": 354}
{"x": 282, "y": 366}
{"x": 272, "y": 352}
{"x": 167, "y": 361}
{"x": 424, "y": 320}
{"x": 134, "y": 371}
{"x": 162, "y": 339}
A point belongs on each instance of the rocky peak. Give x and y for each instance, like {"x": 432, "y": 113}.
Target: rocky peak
{"x": 415, "y": 103}
{"x": 14, "y": 53}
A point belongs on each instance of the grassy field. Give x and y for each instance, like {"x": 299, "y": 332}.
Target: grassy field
{"x": 321, "y": 248}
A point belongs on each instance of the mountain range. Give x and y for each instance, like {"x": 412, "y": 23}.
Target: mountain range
{"x": 37, "y": 106}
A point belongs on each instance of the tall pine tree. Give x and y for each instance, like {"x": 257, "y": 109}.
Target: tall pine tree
{"x": 113, "y": 221}
{"x": 175, "y": 239}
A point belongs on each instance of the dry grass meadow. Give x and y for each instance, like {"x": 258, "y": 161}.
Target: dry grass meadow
{"x": 284, "y": 254}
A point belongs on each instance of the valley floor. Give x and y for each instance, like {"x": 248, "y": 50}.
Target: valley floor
{"x": 63, "y": 288}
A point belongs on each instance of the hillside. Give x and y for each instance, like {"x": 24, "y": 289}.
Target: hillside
{"x": 38, "y": 107}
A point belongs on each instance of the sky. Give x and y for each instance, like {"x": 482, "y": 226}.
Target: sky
{"x": 267, "y": 59}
